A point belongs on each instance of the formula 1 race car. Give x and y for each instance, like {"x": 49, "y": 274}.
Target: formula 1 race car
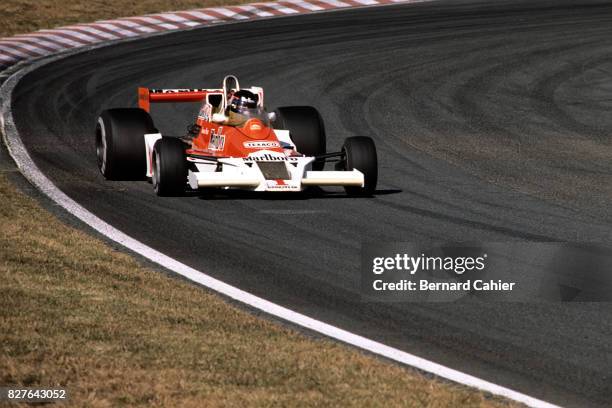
{"x": 234, "y": 143}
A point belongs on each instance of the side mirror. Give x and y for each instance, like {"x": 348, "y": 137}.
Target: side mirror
{"x": 272, "y": 116}
{"x": 219, "y": 118}
{"x": 193, "y": 130}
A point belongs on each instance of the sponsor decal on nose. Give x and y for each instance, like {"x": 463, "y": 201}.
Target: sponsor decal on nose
{"x": 262, "y": 144}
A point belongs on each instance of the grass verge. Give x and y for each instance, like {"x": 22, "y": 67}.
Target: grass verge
{"x": 23, "y": 16}
{"x": 76, "y": 313}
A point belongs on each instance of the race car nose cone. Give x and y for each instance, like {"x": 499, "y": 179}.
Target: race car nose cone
{"x": 255, "y": 129}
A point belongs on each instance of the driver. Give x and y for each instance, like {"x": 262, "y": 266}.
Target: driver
{"x": 240, "y": 106}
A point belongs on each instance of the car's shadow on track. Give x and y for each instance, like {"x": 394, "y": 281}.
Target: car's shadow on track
{"x": 309, "y": 194}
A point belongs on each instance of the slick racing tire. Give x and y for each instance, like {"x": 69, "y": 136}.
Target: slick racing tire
{"x": 169, "y": 167}
{"x": 120, "y": 144}
{"x": 306, "y": 129}
{"x": 360, "y": 153}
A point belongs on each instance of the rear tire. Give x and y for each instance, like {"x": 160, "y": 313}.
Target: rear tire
{"x": 360, "y": 153}
{"x": 169, "y": 167}
{"x": 120, "y": 145}
{"x": 306, "y": 129}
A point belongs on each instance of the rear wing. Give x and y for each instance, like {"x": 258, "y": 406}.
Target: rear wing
{"x": 147, "y": 96}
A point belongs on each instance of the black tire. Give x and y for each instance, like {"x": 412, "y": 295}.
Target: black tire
{"x": 120, "y": 145}
{"x": 306, "y": 128}
{"x": 360, "y": 153}
{"x": 169, "y": 167}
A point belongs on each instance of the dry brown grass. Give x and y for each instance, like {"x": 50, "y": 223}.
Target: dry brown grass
{"x": 21, "y": 16}
{"x": 78, "y": 314}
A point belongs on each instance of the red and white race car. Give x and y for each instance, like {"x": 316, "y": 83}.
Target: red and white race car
{"x": 234, "y": 143}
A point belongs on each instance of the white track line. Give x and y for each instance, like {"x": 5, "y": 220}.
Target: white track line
{"x": 29, "y": 169}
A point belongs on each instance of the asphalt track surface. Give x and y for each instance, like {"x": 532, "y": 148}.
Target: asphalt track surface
{"x": 492, "y": 124}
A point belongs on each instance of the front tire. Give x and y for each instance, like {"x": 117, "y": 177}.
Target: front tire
{"x": 306, "y": 129}
{"x": 169, "y": 167}
{"x": 360, "y": 153}
{"x": 120, "y": 145}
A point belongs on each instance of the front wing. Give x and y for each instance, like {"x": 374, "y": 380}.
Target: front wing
{"x": 266, "y": 171}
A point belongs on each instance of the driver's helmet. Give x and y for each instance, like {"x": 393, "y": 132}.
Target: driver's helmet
{"x": 242, "y": 101}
